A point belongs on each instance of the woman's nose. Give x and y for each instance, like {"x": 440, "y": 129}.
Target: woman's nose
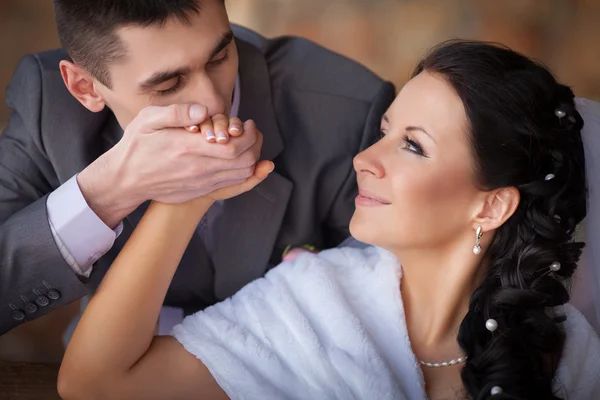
{"x": 369, "y": 162}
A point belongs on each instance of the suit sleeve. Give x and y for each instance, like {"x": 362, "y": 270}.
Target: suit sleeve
{"x": 34, "y": 276}
{"x": 343, "y": 207}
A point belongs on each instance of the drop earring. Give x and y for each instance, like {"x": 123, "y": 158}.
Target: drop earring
{"x": 478, "y": 235}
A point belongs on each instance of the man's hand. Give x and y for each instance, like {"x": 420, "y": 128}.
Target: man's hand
{"x": 158, "y": 159}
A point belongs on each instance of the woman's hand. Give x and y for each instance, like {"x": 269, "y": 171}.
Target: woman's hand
{"x": 219, "y": 130}
{"x": 261, "y": 171}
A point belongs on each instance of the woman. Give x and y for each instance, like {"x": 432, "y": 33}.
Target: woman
{"x": 476, "y": 188}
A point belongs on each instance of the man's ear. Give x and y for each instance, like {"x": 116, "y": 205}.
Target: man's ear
{"x": 497, "y": 207}
{"x": 82, "y": 86}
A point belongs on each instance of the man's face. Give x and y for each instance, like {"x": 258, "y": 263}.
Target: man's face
{"x": 176, "y": 63}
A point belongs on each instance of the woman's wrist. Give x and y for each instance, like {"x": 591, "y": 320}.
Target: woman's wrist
{"x": 189, "y": 212}
{"x": 201, "y": 202}
{"x": 199, "y": 206}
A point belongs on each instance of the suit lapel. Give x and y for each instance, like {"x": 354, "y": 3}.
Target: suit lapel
{"x": 256, "y": 102}
{"x": 248, "y": 227}
{"x": 246, "y": 234}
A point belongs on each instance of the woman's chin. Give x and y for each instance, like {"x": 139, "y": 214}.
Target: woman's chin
{"x": 363, "y": 230}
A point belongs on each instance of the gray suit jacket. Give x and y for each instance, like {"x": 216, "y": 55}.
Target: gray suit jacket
{"x": 316, "y": 110}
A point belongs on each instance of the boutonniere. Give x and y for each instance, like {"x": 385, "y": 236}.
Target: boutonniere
{"x": 290, "y": 253}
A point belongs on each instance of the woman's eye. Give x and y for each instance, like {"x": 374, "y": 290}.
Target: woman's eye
{"x": 413, "y": 146}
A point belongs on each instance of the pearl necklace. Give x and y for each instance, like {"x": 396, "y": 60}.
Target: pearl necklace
{"x": 458, "y": 360}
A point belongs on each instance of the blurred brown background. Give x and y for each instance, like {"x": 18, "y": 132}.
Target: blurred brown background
{"x": 389, "y": 36}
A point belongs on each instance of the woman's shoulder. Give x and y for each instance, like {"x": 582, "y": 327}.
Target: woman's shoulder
{"x": 345, "y": 263}
{"x": 579, "y": 370}
{"x": 305, "y": 321}
{"x": 304, "y": 284}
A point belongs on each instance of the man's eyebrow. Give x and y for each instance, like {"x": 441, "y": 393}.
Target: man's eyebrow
{"x": 162, "y": 76}
{"x": 225, "y": 40}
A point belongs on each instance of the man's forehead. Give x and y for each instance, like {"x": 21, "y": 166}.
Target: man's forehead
{"x": 199, "y": 33}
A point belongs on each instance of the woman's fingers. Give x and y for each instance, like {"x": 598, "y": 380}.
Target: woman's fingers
{"x": 221, "y": 125}
{"x": 218, "y": 129}
{"x": 236, "y": 127}
{"x": 193, "y": 128}
{"x": 208, "y": 130}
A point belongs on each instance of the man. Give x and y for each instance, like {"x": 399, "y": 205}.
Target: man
{"x": 95, "y": 134}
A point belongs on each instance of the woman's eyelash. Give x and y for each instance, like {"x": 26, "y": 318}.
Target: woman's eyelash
{"x": 413, "y": 146}
{"x": 409, "y": 144}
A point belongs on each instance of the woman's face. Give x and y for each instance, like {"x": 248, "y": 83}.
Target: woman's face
{"x": 417, "y": 186}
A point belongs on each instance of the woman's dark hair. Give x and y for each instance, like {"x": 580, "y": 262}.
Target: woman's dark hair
{"x": 525, "y": 133}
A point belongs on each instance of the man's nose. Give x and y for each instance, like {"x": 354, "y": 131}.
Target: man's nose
{"x": 208, "y": 94}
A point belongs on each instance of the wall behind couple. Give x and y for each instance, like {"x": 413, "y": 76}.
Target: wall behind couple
{"x": 389, "y": 36}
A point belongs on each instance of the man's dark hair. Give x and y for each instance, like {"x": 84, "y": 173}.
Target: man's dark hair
{"x": 87, "y": 28}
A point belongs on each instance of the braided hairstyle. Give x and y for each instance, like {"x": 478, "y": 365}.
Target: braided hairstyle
{"x": 525, "y": 133}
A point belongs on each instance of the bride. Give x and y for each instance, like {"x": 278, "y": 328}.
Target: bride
{"x": 470, "y": 200}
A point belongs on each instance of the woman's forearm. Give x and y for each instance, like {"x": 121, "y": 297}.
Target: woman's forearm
{"x": 118, "y": 324}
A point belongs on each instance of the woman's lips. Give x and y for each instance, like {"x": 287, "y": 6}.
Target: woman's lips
{"x": 368, "y": 199}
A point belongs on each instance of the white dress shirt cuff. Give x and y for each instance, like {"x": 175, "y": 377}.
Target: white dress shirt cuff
{"x": 81, "y": 236}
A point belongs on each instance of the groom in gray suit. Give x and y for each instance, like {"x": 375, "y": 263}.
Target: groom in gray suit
{"x": 97, "y": 131}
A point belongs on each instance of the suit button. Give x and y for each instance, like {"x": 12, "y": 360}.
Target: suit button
{"x": 30, "y": 308}
{"x": 42, "y": 301}
{"x": 18, "y": 315}
{"x": 53, "y": 294}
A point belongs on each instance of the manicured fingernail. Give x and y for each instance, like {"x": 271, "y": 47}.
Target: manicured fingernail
{"x": 272, "y": 167}
{"x": 210, "y": 135}
{"x": 197, "y": 111}
{"x": 193, "y": 128}
{"x": 221, "y": 136}
{"x": 234, "y": 128}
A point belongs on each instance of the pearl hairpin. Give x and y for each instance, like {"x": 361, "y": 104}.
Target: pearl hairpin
{"x": 560, "y": 113}
{"x": 491, "y": 325}
{"x": 496, "y": 390}
{"x": 549, "y": 177}
{"x": 555, "y": 266}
